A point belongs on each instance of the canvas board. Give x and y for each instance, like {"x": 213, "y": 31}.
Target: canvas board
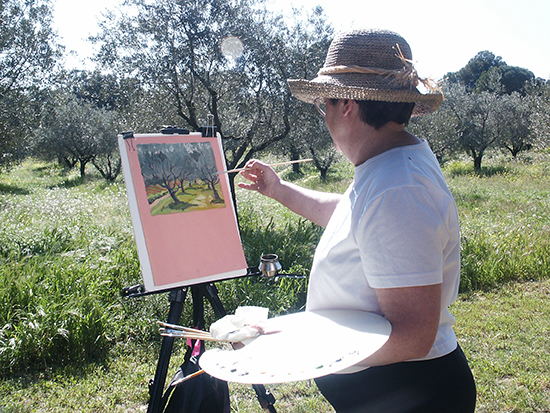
{"x": 182, "y": 211}
{"x": 310, "y": 344}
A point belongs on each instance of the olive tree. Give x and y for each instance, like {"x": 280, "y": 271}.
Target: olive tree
{"x": 485, "y": 107}
{"x": 28, "y": 55}
{"x": 539, "y": 102}
{"x": 514, "y": 123}
{"x": 439, "y": 129}
{"x": 222, "y": 58}
{"x": 74, "y": 132}
{"x": 475, "y": 120}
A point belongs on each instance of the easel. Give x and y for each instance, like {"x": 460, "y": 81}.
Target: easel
{"x": 177, "y": 297}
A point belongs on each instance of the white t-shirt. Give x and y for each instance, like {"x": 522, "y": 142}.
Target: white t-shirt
{"x": 396, "y": 226}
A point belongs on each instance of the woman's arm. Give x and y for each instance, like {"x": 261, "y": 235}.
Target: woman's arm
{"x": 413, "y": 313}
{"x": 313, "y": 205}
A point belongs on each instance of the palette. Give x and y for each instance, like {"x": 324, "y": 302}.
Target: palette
{"x": 309, "y": 344}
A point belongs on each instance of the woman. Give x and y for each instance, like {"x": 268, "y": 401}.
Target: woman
{"x": 391, "y": 243}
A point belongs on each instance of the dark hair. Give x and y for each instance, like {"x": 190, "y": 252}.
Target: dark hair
{"x": 378, "y": 113}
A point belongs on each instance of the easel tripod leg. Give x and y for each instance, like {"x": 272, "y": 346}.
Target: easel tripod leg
{"x": 177, "y": 298}
{"x": 263, "y": 395}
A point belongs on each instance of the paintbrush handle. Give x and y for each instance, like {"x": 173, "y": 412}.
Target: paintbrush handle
{"x": 181, "y": 328}
{"x": 192, "y": 375}
{"x": 184, "y": 333}
{"x": 189, "y": 336}
{"x": 273, "y": 164}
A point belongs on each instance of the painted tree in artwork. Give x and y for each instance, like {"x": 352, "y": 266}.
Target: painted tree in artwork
{"x": 184, "y": 165}
{"x": 207, "y": 171}
{"x": 159, "y": 167}
{"x": 175, "y": 166}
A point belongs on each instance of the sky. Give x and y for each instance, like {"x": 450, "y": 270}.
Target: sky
{"x": 443, "y": 37}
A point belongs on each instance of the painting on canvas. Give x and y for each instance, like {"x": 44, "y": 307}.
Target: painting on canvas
{"x": 180, "y": 177}
{"x": 182, "y": 210}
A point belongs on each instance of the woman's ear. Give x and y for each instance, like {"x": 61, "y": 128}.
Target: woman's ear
{"x": 348, "y": 106}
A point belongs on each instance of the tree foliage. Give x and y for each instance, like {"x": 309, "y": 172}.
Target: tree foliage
{"x": 176, "y": 48}
{"x": 82, "y": 118}
{"x": 485, "y": 107}
{"x": 439, "y": 129}
{"x": 514, "y": 124}
{"x": 307, "y": 46}
{"x": 539, "y": 103}
{"x": 479, "y": 64}
{"x": 475, "y": 121}
{"x": 104, "y": 90}
{"x": 75, "y": 132}
{"x": 477, "y": 75}
{"x": 512, "y": 79}
{"x": 28, "y": 54}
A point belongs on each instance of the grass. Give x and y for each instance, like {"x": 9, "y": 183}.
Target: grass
{"x": 504, "y": 334}
{"x": 504, "y": 221}
{"x": 69, "y": 342}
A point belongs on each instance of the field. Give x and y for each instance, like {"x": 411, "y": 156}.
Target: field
{"x": 195, "y": 198}
{"x": 69, "y": 342}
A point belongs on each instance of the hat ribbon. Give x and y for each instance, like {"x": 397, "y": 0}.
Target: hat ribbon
{"x": 407, "y": 75}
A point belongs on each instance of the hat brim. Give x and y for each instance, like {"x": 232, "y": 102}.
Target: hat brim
{"x": 308, "y": 91}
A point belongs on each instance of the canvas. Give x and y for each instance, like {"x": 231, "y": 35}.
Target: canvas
{"x": 182, "y": 211}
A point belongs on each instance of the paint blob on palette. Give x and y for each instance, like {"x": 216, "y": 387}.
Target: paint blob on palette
{"x": 308, "y": 345}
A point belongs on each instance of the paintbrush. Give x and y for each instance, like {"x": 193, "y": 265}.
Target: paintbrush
{"x": 182, "y": 334}
{"x": 181, "y": 328}
{"x": 173, "y": 330}
{"x": 273, "y": 164}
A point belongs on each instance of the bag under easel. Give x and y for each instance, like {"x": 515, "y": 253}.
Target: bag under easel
{"x": 199, "y": 394}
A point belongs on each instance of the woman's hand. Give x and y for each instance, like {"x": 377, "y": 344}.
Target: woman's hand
{"x": 313, "y": 205}
{"x": 262, "y": 330}
{"x": 262, "y": 177}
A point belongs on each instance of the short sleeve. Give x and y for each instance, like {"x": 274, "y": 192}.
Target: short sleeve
{"x": 401, "y": 235}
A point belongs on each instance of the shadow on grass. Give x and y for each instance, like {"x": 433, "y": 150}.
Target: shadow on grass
{"x": 487, "y": 172}
{"x": 470, "y": 199}
{"x": 75, "y": 182}
{"x": 292, "y": 176}
{"x": 43, "y": 169}
{"x": 13, "y": 190}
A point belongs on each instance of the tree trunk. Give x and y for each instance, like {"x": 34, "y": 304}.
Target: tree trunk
{"x": 294, "y": 156}
{"x": 477, "y": 163}
{"x": 168, "y": 187}
{"x": 214, "y": 191}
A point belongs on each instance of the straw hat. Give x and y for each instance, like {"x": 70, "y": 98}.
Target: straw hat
{"x": 369, "y": 65}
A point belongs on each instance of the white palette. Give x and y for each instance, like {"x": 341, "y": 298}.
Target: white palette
{"x": 310, "y": 344}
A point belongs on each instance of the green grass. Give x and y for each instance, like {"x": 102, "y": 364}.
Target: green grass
{"x": 504, "y": 334}
{"x": 69, "y": 342}
{"x": 504, "y": 222}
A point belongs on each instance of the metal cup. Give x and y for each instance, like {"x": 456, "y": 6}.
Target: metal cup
{"x": 269, "y": 265}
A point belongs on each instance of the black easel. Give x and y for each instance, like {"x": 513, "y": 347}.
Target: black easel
{"x": 177, "y": 298}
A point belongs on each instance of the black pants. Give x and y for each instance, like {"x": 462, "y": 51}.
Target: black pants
{"x": 442, "y": 385}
